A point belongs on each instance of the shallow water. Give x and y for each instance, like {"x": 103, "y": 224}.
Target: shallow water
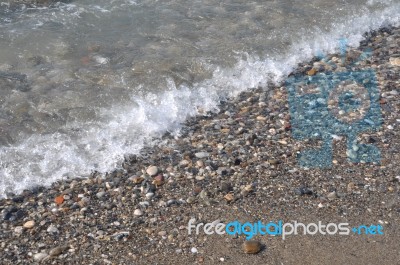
{"x": 84, "y": 83}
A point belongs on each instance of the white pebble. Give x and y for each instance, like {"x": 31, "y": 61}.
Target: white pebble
{"x": 138, "y": 212}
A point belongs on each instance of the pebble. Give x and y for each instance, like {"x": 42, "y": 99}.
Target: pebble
{"x": 18, "y": 230}
{"x": 351, "y": 186}
{"x": 39, "y": 256}
{"x": 100, "y": 194}
{"x": 251, "y": 247}
{"x": 226, "y": 187}
{"x": 202, "y": 154}
{"x": 100, "y": 60}
{"x": 52, "y": 229}
{"x": 190, "y": 200}
{"x": 395, "y": 61}
{"x": 162, "y": 233}
{"x": 137, "y": 180}
{"x": 313, "y": 71}
{"x": 59, "y": 200}
{"x": 332, "y": 195}
{"x": 184, "y": 163}
{"x": 149, "y": 195}
{"x": 138, "y": 212}
{"x": 158, "y": 180}
{"x": 29, "y": 224}
{"x": 194, "y": 250}
{"x": 57, "y": 250}
{"x": 200, "y": 163}
{"x": 303, "y": 191}
{"x": 229, "y": 197}
{"x": 152, "y": 171}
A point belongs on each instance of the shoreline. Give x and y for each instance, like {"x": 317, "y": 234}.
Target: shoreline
{"x": 238, "y": 164}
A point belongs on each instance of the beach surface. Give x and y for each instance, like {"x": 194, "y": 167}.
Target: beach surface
{"x": 237, "y": 164}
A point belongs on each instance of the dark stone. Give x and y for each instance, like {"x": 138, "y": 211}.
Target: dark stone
{"x": 13, "y": 214}
{"x": 303, "y": 191}
{"x": 226, "y": 187}
{"x": 18, "y": 199}
{"x": 222, "y": 171}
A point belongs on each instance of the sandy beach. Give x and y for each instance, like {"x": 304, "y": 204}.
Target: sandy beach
{"x": 237, "y": 164}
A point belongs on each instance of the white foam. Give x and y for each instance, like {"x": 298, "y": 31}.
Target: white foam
{"x": 43, "y": 159}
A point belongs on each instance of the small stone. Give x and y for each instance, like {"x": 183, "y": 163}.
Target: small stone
{"x": 201, "y": 154}
{"x": 100, "y": 194}
{"x": 203, "y": 194}
{"x": 137, "y": 180}
{"x": 283, "y": 142}
{"x": 303, "y": 191}
{"x": 57, "y": 250}
{"x": 251, "y": 247}
{"x": 29, "y": 224}
{"x": 158, "y": 180}
{"x": 273, "y": 161}
{"x": 226, "y": 187}
{"x": 184, "y": 163}
{"x": 229, "y": 197}
{"x": 332, "y": 195}
{"x": 171, "y": 202}
{"x": 18, "y": 230}
{"x": 225, "y": 130}
{"x": 351, "y": 186}
{"x": 162, "y": 233}
{"x": 313, "y": 71}
{"x": 152, "y": 170}
{"x": 248, "y": 188}
{"x": 59, "y": 199}
{"x": 395, "y": 61}
{"x": 190, "y": 200}
{"x": 200, "y": 177}
{"x": 138, "y": 212}
{"x": 200, "y": 163}
{"x": 194, "y": 250}
{"x": 39, "y": 256}
{"x": 52, "y": 229}
{"x": 149, "y": 195}
{"x": 197, "y": 190}
{"x": 222, "y": 171}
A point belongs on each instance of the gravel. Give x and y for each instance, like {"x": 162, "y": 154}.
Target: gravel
{"x": 237, "y": 164}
